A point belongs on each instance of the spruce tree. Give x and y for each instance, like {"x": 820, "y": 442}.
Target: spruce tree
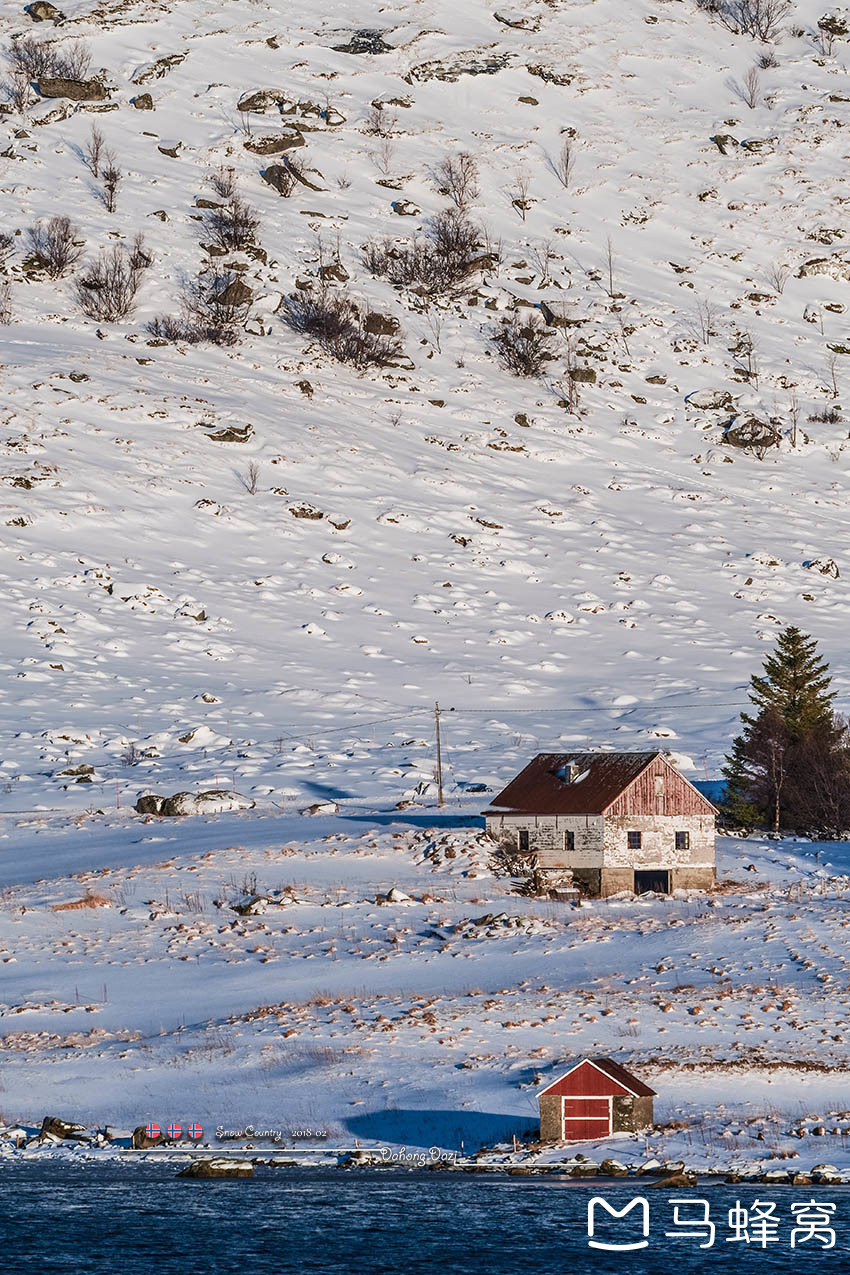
{"x": 793, "y": 736}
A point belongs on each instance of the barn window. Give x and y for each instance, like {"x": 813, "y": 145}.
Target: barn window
{"x": 634, "y": 840}
{"x": 569, "y": 840}
{"x": 683, "y": 841}
{"x": 522, "y": 841}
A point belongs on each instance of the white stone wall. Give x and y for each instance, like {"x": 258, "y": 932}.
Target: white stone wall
{"x": 604, "y": 843}
{"x": 658, "y": 841}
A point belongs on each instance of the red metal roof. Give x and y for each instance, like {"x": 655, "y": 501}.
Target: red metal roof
{"x": 542, "y": 789}
{"x": 611, "y": 1078}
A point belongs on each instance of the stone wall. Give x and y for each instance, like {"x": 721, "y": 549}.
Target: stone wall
{"x": 631, "y": 1113}
{"x": 551, "y": 1125}
{"x": 658, "y": 841}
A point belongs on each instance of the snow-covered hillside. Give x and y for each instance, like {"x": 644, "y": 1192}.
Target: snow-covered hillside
{"x": 256, "y": 568}
{"x": 440, "y": 529}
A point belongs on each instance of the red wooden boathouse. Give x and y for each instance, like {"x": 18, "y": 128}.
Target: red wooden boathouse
{"x": 595, "y": 1098}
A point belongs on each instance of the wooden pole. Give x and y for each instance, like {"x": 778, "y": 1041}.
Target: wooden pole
{"x": 439, "y": 755}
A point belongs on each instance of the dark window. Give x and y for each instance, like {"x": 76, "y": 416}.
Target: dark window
{"x": 634, "y": 840}
{"x": 522, "y": 841}
{"x": 683, "y": 841}
{"x": 569, "y": 841}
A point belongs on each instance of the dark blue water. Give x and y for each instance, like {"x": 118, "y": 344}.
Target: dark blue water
{"x": 137, "y": 1218}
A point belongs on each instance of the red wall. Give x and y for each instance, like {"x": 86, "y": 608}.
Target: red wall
{"x": 588, "y": 1081}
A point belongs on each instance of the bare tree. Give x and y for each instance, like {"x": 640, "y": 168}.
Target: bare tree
{"x": 706, "y": 320}
{"x": 383, "y": 153}
{"x": 250, "y": 480}
{"x": 832, "y": 365}
{"x": 381, "y": 122}
{"x": 232, "y": 226}
{"x": 112, "y": 179}
{"x": 106, "y": 290}
{"x": 55, "y": 246}
{"x": 609, "y": 262}
{"x": 542, "y": 255}
{"x": 7, "y": 247}
{"x": 777, "y": 276}
{"x": 93, "y": 153}
{"x": 434, "y": 321}
{"x": 749, "y": 91}
{"x": 745, "y": 350}
{"x": 794, "y": 413}
{"x": 5, "y": 302}
{"x": 457, "y": 177}
{"x": 563, "y": 164}
{"x": 518, "y": 194}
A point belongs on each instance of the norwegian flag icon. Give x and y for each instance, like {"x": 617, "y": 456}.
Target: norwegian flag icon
{"x": 173, "y": 1131}
{"x": 194, "y": 1131}
{"x": 152, "y": 1129}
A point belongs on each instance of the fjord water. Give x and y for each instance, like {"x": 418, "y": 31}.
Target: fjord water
{"x": 96, "y": 1219}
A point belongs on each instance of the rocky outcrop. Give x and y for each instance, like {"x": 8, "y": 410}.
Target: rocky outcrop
{"x": 213, "y": 801}
{"x": 42, "y": 11}
{"x": 65, "y": 1130}
{"x": 275, "y": 143}
{"x": 219, "y": 1168}
{"x": 365, "y": 41}
{"x": 76, "y": 90}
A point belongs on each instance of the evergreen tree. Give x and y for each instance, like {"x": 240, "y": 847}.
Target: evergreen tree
{"x": 790, "y": 765}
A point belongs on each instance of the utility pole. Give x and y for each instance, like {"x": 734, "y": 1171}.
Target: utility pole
{"x": 439, "y": 755}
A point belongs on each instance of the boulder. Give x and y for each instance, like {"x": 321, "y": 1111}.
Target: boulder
{"x": 404, "y": 208}
{"x": 143, "y": 102}
{"x": 677, "y": 1180}
{"x": 255, "y": 906}
{"x": 236, "y": 293}
{"x": 613, "y": 1169}
{"x": 751, "y": 434}
{"x": 261, "y": 99}
{"x": 724, "y": 142}
{"x": 213, "y": 801}
{"x": 41, "y": 11}
{"x": 141, "y": 1142}
{"x": 367, "y": 40}
{"x": 710, "y": 400}
{"x": 759, "y": 145}
{"x": 76, "y": 90}
{"x": 66, "y": 1130}
{"x": 380, "y": 324}
{"x": 827, "y": 567}
{"x": 275, "y": 143}
{"x": 218, "y": 1168}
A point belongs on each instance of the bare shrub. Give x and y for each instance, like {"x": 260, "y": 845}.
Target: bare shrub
{"x": 563, "y": 164}
{"x": 73, "y": 61}
{"x": 380, "y": 122}
{"x": 94, "y": 151}
{"x": 705, "y": 320}
{"x": 17, "y": 90}
{"x": 457, "y": 177}
{"x": 761, "y": 19}
{"x": 383, "y": 154}
{"x": 777, "y": 276}
{"x": 749, "y": 91}
{"x": 55, "y": 246}
{"x": 5, "y": 302}
{"x": 827, "y": 416}
{"x": 232, "y": 226}
{"x": 335, "y": 323}
{"x": 440, "y": 261}
{"x": 41, "y": 59}
{"x": 112, "y": 179}
{"x": 7, "y": 247}
{"x": 106, "y": 290}
{"x": 212, "y": 313}
{"x": 32, "y": 57}
{"x": 523, "y": 345}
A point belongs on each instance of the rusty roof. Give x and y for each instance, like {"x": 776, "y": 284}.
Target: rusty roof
{"x": 542, "y": 788}
{"x": 614, "y": 1071}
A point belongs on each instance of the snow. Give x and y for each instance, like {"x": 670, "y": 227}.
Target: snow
{"x": 608, "y": 579}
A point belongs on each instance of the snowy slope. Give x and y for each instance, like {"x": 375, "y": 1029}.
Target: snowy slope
{"x": 621, "y": 565}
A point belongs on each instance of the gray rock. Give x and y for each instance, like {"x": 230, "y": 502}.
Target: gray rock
{"x": 380, "y": 324}
{"x": 725, "y": 142}
{"x": 76, "y": 90}
{"x": 218, "y": 1168}
{"x": 144, "y": 102}
{"x": 42, "y": 11}
{"x": 365, "y": 41}
{"x": 276, "y": 144}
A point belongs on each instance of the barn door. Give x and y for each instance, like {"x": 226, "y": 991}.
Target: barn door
{"x": 586, "y": 1118}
